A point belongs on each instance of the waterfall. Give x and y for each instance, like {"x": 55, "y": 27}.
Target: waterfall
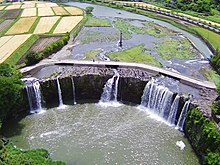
{"x": 61, "y": 105}
{"x": 74, "y": 92}
{"x": 160, "y": 101}
{"x": 182, "y": 117}
{"x": 32, "y": 87}
{"x": 110, "y": 89}
{"x": 173, "y": 110}
{"x": 157, "y": 98}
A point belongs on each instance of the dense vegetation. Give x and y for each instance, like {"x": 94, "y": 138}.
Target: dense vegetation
{"x": 215, "y": 60}
{"x": 12, "y": 101}
{"x": 203, "y": 6}
{"x": 10, "y": 91}
{"x": 10, "y": 155}
{"x": 204, "y": 136}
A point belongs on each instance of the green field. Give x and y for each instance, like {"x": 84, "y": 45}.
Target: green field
{"x": 134, "y": 54}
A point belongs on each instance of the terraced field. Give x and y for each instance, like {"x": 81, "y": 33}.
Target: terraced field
{"x": 34, "y": 17}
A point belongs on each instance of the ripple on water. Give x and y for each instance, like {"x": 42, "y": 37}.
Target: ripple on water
{"x": 93, "y": 134}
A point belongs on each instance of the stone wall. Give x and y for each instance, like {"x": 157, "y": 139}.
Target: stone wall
{"x": 90, "y": 87}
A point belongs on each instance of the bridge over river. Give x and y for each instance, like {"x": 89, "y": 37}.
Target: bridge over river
{"x": 112, "y": 64}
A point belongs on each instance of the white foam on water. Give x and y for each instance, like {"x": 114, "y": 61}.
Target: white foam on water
{"x": 181, "y": 144}
{"x": 152, "y": 115}
{"x": 110, "y": 104}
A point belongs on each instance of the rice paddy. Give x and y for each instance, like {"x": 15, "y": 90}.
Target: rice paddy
{"x": 11, "y": 7}
{"x": 22, "y": 25}
{"x": 45, "y": 24}
{"x": 74, "y": 10}
{"x": 60, "y": 11}
{"x": 29, "y": 12}
{"x": 45, "y": 11}
{"x": 67, "y": 24}
{"x": 22, "y": 19}
{"x": 11, "y": 45}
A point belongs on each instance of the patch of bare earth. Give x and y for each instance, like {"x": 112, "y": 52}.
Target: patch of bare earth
{"x": 39, "y": 45}
{"x": 42, "y": 43}
{"x": 5, "y": 24}
{"x": 11, "y": 14}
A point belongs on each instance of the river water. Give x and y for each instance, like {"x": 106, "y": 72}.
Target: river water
{"x": 102, "y": 11}
{"x": 105, "y": 39}
{"x": 86, "y": 134}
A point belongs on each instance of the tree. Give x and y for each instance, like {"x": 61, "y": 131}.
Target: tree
{"x": 33, "y": 58}
{"x": 10, "y": 91}
{"x": 89, "y": 9}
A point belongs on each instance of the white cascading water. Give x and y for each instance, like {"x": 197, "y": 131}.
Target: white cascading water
{"x": 158, "y": 99}
{"x": 182, "y": 117}
{"x": 32, "y": 87}
{"x": 110, "y": 89}
{"x": 74, "y": 91}
{"x": 59, "y": 92}
{"x": 173, "y": 111}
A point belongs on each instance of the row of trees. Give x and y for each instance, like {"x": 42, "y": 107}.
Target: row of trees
{"x": 202, "y": 6}
{"x": 35, "y": 57}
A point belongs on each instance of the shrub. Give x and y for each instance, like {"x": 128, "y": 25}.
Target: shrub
{"x": 203, "y": 135}
{"x": 89, "y": 9}
{"x": 33, "y": 58}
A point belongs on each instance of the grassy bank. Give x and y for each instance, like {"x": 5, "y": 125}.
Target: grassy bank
{"x": 211, "y": 37}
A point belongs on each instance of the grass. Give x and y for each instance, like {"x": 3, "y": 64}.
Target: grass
{"x": 123, "y": 26}
{"x": 55, "y": 25}
{"x": 98, "y": 22}
{"x": 211, "y": 37}
{"x": 180, "y": 49}
{"x": 211, "y": 75}
{"x": 152, "y": 29}
{"x": 92, "y": 54}
{"x": 12, "y": 24}
{"x": 14, "y": 57}
{"x": 134, "y": 54}
{"x": 31, "y": 30}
